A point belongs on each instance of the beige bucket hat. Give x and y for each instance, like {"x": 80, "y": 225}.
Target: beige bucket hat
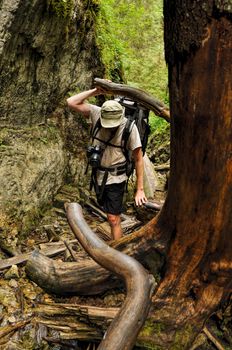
{"x": 111, "y": 114}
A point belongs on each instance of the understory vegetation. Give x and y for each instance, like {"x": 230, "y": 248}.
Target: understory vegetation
{"x": 130, "y": 36}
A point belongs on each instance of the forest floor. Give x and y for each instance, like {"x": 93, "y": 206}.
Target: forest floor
{"x": 21, "y": 327}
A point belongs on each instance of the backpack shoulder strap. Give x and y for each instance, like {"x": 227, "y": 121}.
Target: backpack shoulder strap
{"x": 95, "y": 129}
{"x": 126, "y": 134}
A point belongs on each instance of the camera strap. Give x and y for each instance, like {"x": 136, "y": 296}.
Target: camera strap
{"x": 96, "y": 129}
{"x": 98, "y": 189}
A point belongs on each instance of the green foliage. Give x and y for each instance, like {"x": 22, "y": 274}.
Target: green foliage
{"x": 160, "y": 133}
{"x": 130, "y": 36}
{"x": 62, "y": 8}
{"x": 157, "y": 124}
{"x": 108, "y": 42}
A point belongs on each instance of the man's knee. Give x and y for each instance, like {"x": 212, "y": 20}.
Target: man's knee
{"x": 113, "y": 220}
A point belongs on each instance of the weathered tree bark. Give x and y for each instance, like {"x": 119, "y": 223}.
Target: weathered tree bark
{"x": 195, "y": 221}
{"x": 138, "y": 95}
{"x": 198, "y": 207}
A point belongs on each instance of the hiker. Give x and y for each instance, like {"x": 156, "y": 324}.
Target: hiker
{"x": 107, "y": 157}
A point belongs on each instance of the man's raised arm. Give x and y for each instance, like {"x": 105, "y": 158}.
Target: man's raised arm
{"x": 78, "y": 104}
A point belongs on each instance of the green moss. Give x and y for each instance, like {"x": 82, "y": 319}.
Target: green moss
{"x": 149, "y": 331}
{"x": 150, "y": 347}
{"x": 30, "y": 220}
{"x": 158, "y": 125}
{"x": 109, "y": 44}
{"x": 151, "y": 328}
{"x": 156, "y": 330}
{"x": 182, "y": 338}
{"x": 62, "y": 8}
{"x": 4, "y": 138}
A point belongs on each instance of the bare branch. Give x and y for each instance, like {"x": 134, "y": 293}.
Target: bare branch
{"x": 145, "y": 99}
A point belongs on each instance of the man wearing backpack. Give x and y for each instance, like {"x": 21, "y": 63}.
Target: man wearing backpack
{"x": 106, "y": 155}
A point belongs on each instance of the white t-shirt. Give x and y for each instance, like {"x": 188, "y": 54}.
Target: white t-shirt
{"x": 113, "y": 155}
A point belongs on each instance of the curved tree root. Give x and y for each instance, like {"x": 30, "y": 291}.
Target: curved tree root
{"x": 86, "y": 277}
{"x": 140, "y": 285}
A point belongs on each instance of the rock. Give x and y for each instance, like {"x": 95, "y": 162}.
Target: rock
{"x": 8, "y": 298}
{"x": 43, "y": 55}
{"x": 12, "y": 319}
{"x": 12, "y": 273}
{"x": 30, "y": 33}
{"x": 13, "y": 283}
{"x": 150, "y": 177}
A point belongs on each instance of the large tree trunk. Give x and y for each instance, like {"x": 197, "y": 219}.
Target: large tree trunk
{"x": 198, "y": 207}
{"x": 195, "y": 221}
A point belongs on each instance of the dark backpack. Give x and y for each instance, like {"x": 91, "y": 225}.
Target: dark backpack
{"x": 138, "y": 115}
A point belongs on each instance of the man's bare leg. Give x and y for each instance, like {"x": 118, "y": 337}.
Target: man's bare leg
{"x": 115, "y": 225}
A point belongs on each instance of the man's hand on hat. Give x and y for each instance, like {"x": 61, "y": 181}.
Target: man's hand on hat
{"x": 101, "y": 91}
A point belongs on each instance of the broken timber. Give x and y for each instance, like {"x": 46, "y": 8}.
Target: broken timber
{"x": 48, "y": 250}
{"x": 138, "y": 95}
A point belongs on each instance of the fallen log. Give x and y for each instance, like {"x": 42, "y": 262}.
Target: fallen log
{"x": 92, "y": 322}
{"x": 153, "y": 205}
{"x": 162, "y": 167}
{"x": 124, "y": 329}
{"x": 48, "y": 250}
{"x": 71, "y": 251}
{"x": 96, "y": 210}
{"x": 70, "y": 328}
{"x": 72, "y": 321}
{"x": 138, "y": 95}
{"x": 213, "y": 339}
{"x": 86, "y": 277}
{"x": 65, "y": 278}
{"x": 88, "y": 312}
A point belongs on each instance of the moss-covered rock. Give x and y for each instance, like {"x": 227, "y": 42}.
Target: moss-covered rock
{"x": 47, "y": 48}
